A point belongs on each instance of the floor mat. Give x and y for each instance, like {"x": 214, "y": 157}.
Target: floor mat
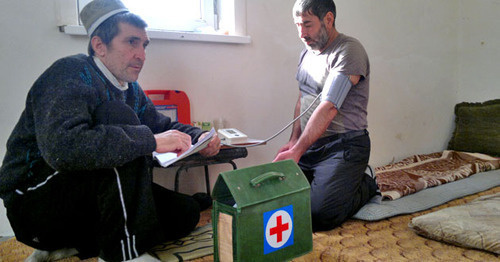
{"x": 198, "y": 244}
{"x": 377, "y": 209}
{"x": 388, "y": 240}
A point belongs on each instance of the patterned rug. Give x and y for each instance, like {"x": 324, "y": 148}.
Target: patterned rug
{"x": 198, "y": 244}
{"x": 419, "y": 172}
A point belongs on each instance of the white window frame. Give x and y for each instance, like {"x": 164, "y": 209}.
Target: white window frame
{"x": 233, "y": 10}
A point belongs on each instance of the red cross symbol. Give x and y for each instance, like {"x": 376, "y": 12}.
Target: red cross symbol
{"x": 279, "y": 229}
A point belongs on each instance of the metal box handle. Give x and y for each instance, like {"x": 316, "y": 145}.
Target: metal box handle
{"x": 255, "y": 182}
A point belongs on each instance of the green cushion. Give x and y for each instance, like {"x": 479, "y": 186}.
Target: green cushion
{"x": 477, "y": 128}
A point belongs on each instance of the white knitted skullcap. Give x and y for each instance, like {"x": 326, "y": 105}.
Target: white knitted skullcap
{"x": 97, "y": 11}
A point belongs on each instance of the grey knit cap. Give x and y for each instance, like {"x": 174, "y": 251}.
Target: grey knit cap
{"x": 97, "y": 11}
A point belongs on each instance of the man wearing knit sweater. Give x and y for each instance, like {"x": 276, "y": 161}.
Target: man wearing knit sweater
{"x": 77, "y": 177}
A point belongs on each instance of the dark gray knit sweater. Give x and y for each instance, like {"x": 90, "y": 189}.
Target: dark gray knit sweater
{"x": 57, "y": 127}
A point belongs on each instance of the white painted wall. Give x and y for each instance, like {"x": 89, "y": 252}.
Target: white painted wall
{"x": 425, "y": 57}
{"x": 479, "y": 51}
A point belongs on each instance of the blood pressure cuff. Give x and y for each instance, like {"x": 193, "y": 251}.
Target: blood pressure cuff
{"x": 336, "y": 87}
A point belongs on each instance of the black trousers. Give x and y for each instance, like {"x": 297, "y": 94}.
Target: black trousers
{"x": 117, "y": 214}
{"x": 335, "y": 169}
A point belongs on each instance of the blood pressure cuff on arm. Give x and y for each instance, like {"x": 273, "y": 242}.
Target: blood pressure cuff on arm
{"x": 336, "y": 87}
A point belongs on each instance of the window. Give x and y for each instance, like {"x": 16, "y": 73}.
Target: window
{"x": 173, "y": 15}
{"x": 194, "y": 20}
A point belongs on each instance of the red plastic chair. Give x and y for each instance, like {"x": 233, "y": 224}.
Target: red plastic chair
{"x": 173, "y": 103}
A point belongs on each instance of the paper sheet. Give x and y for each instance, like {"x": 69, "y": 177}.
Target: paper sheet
{"x": 168, "y": 158}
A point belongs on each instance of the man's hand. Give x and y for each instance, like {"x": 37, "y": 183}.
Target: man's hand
{"x": 287, "y": 146}
{"x": 172, "y": 141}
{"x": 213, "y": 146}
{"x": 288, "y": 153}
{"x": 317, "y": 124}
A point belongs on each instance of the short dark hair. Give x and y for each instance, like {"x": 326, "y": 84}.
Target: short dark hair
{"x": 109, "y": 28}
{"x": 318, "y": 8}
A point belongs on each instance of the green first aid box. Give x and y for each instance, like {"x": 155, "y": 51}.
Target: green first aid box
{"x": 262, "y": 213}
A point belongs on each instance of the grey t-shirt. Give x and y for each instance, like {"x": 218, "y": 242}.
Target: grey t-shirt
{"x": 344, "y": 56}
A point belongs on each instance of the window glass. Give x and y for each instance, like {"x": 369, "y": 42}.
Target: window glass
{"x": 172, "y": 15}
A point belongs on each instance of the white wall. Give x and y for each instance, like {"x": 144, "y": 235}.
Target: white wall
{"x": 479, "y": 51}
{"x": 418, "y": 51}
{"x": 31, "y": 42}
{"x": 413, "y": 51}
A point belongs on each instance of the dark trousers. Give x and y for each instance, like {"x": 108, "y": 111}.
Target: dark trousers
{"x": 116, "y": 213}
{"x": 335, "y": 169}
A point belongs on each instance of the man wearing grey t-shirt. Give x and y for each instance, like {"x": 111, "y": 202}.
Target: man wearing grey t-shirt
{"x": 331, "y": 143}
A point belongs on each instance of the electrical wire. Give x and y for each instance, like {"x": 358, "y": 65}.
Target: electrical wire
{"x": 279, "y": 132}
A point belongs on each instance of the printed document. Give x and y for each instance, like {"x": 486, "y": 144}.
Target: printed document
{"x": 166, "y": 159}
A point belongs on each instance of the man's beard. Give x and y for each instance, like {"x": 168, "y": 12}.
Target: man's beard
{"x": 322, "y": 40}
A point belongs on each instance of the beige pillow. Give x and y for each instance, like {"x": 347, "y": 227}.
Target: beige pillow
{"x": 475, "y": 224}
